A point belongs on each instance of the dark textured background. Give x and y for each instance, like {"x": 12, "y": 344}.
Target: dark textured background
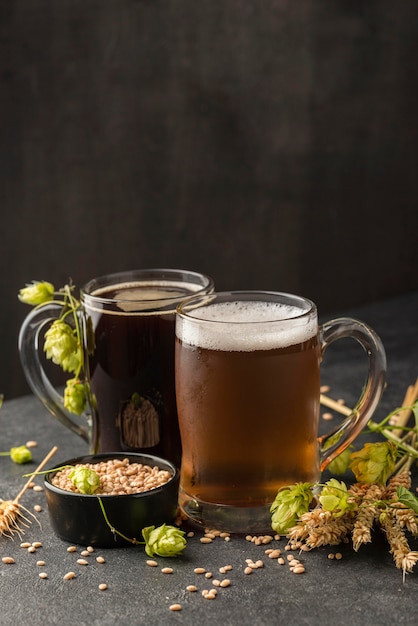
{"x": 272, "y": 145}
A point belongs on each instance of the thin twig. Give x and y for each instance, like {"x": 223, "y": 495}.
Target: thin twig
{"x": 336, "y": 406}
{"x": 30, "y": 479}
{"x": 401, "y": 418}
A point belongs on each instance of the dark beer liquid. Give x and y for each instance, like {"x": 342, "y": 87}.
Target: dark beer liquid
{"x": 249, "y": 422}
{"x": 134, "y": 357}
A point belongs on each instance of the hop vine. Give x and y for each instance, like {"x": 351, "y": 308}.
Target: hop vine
{"x": 64, "y": 339}
{"x": 380, "y": 498}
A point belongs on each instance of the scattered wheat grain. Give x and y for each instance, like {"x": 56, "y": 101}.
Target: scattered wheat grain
{"x": 8, "y": 560}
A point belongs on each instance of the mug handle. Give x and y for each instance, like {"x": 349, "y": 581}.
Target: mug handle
{"x": 30, "y": 337}
{"x": 333, "y": 443}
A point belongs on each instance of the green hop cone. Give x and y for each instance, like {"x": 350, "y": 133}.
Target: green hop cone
{"x": 164, "y": 540}
{"x": 61, "y": 346}
{"x": 334, "y": 497}
{"x": 341, "y": 463}
{"x": 85, "y": 480}
{"x": 374, "y": 463}
{"x": 289, "y": 504}
{"x": 38, "y": 292}
{"x": 21, "y": 454}
{"x": 75, "y": 396}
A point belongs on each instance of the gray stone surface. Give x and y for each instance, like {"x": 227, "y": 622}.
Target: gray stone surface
{"x": 363, "y": 589}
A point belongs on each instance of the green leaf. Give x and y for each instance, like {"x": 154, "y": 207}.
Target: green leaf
{"x": 407, "y": 498}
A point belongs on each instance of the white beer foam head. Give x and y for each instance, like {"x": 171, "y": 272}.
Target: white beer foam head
{"x": 246, "y": 326}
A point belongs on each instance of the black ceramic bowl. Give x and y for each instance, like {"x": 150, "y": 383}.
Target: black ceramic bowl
{"x": 78, "y": 518}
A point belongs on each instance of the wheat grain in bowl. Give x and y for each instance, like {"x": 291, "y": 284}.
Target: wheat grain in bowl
{"x": 117, "y": 477}
{"x": 136, "y": 490}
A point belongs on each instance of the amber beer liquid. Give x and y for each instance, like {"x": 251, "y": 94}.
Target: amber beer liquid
{"x": 131, "y": 369}
{"x": 248, "y": 403}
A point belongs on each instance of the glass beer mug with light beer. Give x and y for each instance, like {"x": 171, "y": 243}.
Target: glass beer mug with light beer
{"x": 248, "y": 398}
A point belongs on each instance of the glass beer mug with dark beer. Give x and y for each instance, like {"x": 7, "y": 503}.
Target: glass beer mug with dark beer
{"x": 130, "y": 370}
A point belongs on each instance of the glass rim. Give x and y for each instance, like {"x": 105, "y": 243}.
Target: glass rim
{"x": 162, "y": 276}
{"x": 190, "y": 303}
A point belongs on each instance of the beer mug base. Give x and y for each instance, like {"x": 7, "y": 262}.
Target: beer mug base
{"x": 226, "y": 518}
